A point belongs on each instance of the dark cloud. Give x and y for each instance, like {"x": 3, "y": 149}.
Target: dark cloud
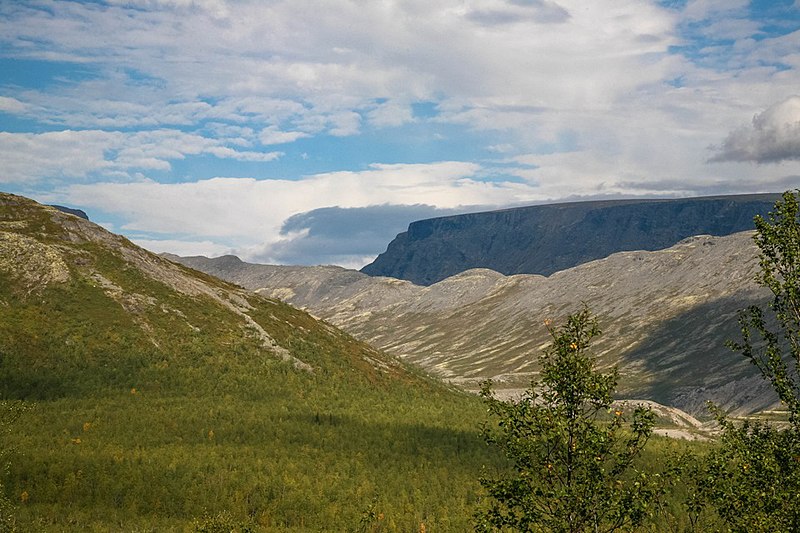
{"x": 772, "y": 137}
{"x": 346, "y": 236}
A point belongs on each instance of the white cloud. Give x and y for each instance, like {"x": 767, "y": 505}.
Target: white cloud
{"x": 344, "y": 123}
{"x": 594, "y": 92}
{"x": 224, "y": 152}
{"x": 772, "y": 137}
{"x": 247, "y": 212}
{"x": 79, "y": 154}
{"x": 67, "y": 154}
{"x": 12, "y": 105}
{"x": 344, "y": 53}
{"x": 272, "y": 135}
{"x": 390, "y": 114}
{"x": 184, "y": 248}
{"x": 518, "y": 11}
{"x": 501, "y": 148}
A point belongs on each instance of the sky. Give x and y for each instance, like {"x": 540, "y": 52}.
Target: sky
{"x": 313, "y": 131}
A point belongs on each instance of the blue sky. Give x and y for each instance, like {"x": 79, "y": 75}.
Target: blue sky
{"x": 311, "y": 132}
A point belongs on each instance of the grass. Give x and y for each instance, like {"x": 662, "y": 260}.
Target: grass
{"x": 277, "y": 463}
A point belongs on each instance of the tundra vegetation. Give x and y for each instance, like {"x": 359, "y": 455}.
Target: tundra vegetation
{"x": 131, "y": 424}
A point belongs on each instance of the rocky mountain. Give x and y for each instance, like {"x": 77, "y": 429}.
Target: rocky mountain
{"x": 665, "y": 316}
{"x": 163, "y": 399}
{"x": 545, "y": 239}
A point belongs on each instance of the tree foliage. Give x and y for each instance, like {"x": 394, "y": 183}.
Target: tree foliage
{"x": 775, "y": 350}
{"x": 572, "y": 453}
{"x": 753, "y": 477}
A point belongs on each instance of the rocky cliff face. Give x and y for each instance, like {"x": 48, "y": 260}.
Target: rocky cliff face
{"x": 665, "y": 317}
{"x": 549, "y": 238}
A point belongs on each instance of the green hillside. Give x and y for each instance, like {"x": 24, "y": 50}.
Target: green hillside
{"x": 163, "y": 399}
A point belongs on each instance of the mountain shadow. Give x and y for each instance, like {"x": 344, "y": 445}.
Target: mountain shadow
{"x": 684, "y": 362}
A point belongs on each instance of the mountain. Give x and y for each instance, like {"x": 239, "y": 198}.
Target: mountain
{"x": 72, "y": 211}
{"x": 665, "y": 316}
{"x": 544, "y": 239}
{"x": 163, "y": 399}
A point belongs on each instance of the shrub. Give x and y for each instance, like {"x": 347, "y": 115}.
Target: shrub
{"x": 571, "y": 453}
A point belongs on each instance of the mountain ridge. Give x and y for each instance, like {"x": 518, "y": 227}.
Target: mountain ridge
{"x": 544, "y": 239}
{"x": 665, "y": 316}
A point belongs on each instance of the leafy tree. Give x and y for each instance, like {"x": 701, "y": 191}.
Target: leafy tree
{"x": 778, "y": 239}
{"x": 572, "y": 453}
{"x": 753, "y": 478}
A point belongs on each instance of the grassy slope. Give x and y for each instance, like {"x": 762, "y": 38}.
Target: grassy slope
{"x": 156, "y": 407}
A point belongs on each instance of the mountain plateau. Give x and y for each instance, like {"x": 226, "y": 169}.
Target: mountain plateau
{"x": 545, "y": 239}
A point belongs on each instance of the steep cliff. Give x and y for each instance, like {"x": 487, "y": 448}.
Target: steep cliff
{"x": 549, "y": 238}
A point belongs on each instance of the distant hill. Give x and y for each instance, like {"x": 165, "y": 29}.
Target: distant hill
{"x": 544, "y": 239}
{"x": 163, "y": 398}
{"x": 665, "y": 317}
{"x": 72, "y": 211}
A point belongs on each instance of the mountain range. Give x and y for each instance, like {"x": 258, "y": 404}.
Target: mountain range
{"x": 665, "y": 317}
{"x": 158, "y": 394}
{"x": 545, "y": 239}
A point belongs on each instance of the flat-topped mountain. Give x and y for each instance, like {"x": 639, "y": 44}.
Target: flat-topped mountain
{"x": 665, "y": 317}
{"x": 544, "y": 239}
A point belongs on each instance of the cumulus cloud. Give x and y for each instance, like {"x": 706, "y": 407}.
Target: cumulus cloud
{"x": 773, "y": 136}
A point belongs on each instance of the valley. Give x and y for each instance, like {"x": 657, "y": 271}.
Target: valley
{"x": 182, "y": 394}
{"x": 665, "y": 317}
